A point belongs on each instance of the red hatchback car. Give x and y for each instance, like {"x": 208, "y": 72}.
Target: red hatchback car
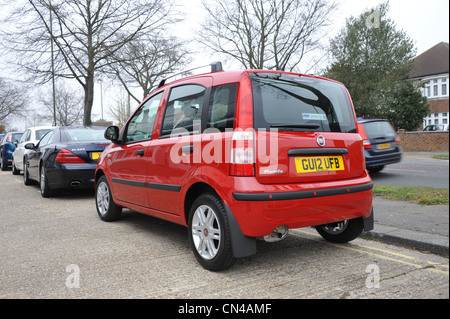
{"x": 240, "y": 155}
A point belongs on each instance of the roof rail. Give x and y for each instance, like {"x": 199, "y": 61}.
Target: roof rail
{"x": 215, "y": 67}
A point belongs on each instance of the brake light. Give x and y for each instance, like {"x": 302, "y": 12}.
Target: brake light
{"x": 242, "y": 153}
{"x": 397, "y": 139}
{"x": 67, "y": 157}
{"x": 362, "y": 133}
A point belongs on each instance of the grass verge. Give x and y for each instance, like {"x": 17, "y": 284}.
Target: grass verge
{"x": 418, "y": 195}
{"x": 440, "y": 156}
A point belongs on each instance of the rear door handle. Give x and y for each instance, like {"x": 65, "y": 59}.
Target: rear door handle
{"x": 140, "y": 152}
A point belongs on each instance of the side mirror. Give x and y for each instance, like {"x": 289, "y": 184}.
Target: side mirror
{"x": 29, "y": 146}
{"x": 112, "y": 134}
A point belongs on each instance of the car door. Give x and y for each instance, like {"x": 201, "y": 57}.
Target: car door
{"x": 20, "y": 149}
{"x": 176, "y": 154}
{"x": 128, "y": 162}
{"x": 34, "y": 155}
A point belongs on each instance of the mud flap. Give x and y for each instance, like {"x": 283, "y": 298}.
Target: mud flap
{"x": 368, "y": 222}
{"x": 243, "y": 246}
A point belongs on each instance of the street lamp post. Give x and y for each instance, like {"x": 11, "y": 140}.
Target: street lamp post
{"x": 53, "y": 65}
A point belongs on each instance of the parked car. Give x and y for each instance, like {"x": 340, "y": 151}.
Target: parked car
{"x": 65, "y": 158}
{"x": 238, "y": 155}
{"x": 436, "y": 127}
{"x": 7, "y": 148}
{"x": 31, "y": 135}
{"x": 381, "y": 143}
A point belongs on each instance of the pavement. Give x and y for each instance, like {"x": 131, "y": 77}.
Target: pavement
{"x": 424, "y": 228}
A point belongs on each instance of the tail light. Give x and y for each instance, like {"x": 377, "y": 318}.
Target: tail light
{"x": 364, "y": 137}
{"x": 242, "y": 161}
{"x": 242, "y": 153}
{"x": 397, "y": 139}
{"x": 67, "y": 157}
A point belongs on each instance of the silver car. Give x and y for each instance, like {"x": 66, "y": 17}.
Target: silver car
{"x": 31, "y": 135}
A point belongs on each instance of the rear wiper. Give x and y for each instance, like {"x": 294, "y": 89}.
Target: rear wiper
{"x": 306, "y": 125}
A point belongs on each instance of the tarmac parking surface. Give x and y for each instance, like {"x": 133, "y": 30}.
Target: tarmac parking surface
{"x": 59, "y": 248}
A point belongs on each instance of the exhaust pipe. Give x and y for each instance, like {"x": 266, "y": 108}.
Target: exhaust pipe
{"x": 278, "y": 234}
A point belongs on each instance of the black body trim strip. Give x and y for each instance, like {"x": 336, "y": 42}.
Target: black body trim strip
{"x": 164, "y": 187}
{"x": 261, "y": 197}
{"x": 128, "y": 182}
{"x": 313, "y": 151}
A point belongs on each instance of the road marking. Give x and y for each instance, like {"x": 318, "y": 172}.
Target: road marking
{"x": 396, "y": 260}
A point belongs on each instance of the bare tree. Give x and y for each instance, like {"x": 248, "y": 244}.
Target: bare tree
{"x": 84, "y": 34}
{"x": 68, "y": 106}
{"x": 146, "y": 60}
{"x": 12, "y": 100}
{"x": 271, "y": 34}
{"x": 122, "y": 109}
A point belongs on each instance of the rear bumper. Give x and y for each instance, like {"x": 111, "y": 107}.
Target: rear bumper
{"x": 259, "y": 213}
{"x": 71, "y": 176}
{"x": 383, "y": 158}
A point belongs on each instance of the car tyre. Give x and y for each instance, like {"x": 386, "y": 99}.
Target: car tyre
{"x": 107, "y": 210}
{"x": 26, "y": 176}
{"x": 210, "y": 234}
{"x": 15, "y": 171}
{"x": 341, "y": 232}
{"x": 375, "y": 169}
{"x": 4, "y": 164}
{"x": 43, "y": 183}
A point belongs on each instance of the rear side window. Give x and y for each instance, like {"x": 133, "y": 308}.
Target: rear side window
{"x": 289, "y": 102}
{"x": 222, "y": 107}
{"x": 41, "y": 133}
{"x": 183, "y": 110}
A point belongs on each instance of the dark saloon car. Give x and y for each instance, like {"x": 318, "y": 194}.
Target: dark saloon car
{"x": 381, "y": 143}
{"x": 7, "y": 148}
{"x": 65, "y": 158}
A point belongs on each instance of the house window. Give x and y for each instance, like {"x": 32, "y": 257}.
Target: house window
{"x": 444, "y": 89}
{"x": 435, "y": 90}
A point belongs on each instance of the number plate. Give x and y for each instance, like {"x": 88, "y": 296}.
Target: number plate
{"x": 319, "y": 164}
{"x": 384, "y": 146}
{"x": 95, "y": 155}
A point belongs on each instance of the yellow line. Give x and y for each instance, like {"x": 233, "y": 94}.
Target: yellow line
{"x": 376, "y": 255}
{"x": 383, "y": 250}
{"x": 437, "y": 264}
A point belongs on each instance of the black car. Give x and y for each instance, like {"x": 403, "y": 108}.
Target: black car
{"x": 65, "y": 158}
{"x": 381, "y": 143}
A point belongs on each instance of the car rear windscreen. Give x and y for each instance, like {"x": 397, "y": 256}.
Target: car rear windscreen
{"x": 378, "y": 129}
{"x": 300, "y": 103}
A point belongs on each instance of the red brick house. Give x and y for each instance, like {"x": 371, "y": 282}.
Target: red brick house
{"x": 432, "y": 68}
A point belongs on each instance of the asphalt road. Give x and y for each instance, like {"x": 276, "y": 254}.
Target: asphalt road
{"x": 59, "y": 248}
{"x": 416, "y": 169}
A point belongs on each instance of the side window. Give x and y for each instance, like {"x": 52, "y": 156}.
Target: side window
{"x": 183, "y": 108}
{"x": 222, "y": 106}
{"x": 47, "y": 139}
{"x": 25, "y": 137}
{"x": 141, "y": 125}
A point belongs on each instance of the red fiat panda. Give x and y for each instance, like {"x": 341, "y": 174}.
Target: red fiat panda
{"x": 240, "y": 155}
